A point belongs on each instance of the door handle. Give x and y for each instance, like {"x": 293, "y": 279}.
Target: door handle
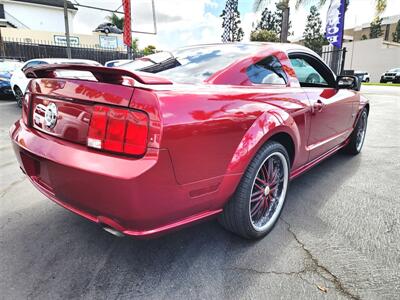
{"x": 318, "y": 106}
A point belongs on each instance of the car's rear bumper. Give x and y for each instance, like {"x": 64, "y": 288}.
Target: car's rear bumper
{"x": 138, "y": 197}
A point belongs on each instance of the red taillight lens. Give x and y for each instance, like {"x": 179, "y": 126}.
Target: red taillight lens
{"x": 25, "y": 107}
{"x": 136, "y": 133}
{"x": 118, "y": 130}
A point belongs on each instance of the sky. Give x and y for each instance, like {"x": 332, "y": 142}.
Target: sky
{"x": 188, "y": 22}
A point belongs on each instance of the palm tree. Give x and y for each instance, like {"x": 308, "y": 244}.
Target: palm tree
{"x": 117, "y": 21}
{"x": 380, "y": 6}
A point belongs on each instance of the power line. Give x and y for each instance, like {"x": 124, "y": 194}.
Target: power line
{"x": 116, "y": 11}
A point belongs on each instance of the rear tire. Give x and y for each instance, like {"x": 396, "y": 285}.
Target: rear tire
{"x": 357, "y": 137}
{"x": 258, "y": 201}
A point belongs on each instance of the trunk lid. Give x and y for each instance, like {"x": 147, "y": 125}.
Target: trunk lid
{"x": 61, "y": 105}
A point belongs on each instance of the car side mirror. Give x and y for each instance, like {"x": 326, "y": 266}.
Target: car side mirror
{"x": 348, "y": 82}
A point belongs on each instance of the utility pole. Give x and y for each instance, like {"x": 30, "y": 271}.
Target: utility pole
{"x": 284, "y": 7}
{"x": 67, "y": 29}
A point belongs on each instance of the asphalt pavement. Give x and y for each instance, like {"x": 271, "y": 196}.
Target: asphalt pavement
{"x": 338, "y": 236}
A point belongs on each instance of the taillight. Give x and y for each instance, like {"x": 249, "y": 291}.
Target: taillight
{"x": 25, "y": 107}
{"x": 118, "y": 130}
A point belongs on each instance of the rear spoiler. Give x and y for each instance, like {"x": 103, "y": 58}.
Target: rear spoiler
{"x": 102, "y": 74}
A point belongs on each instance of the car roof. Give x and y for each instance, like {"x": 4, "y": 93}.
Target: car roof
{"x": 62, "y": 60}
{"x": 258, "y": 46}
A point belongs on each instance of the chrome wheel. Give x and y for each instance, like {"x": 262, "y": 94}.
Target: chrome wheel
{"x": 361, "y": 130}
{"x": 268, "y": 192}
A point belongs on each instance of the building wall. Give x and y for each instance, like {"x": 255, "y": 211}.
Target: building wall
{"x": 39, "y": 17}
{"x": 388, "y": 27}
{"x": 357, "y": 33}
{"x": 48, "y": 37}
{"x": 374, "y": 56}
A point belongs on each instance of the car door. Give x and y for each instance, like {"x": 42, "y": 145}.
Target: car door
{"x": 331, "y": 116}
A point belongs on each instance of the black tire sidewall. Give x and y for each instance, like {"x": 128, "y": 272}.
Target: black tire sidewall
{"x": 352, "y": 146}
{"x": 19, "y": 96}
{"x": 241, "y": 198}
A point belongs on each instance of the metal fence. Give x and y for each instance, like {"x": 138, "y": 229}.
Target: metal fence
{"x": 25, "y": 50}
{"x": 334, "y": 58}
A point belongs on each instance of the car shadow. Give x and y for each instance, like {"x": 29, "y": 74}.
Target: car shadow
{"x": 57, "y": 254}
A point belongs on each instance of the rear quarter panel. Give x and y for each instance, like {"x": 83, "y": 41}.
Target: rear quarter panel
{"x": 211, "y": 133}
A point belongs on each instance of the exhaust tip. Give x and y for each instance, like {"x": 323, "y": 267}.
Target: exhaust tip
{"x": 113, "y": 231}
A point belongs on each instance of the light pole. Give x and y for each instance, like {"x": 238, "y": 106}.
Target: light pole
{"x": 67, "y": 29}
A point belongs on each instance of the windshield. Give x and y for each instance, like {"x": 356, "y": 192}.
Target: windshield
{"x": 191, "y": 65}
{"x": 394, "y": 70}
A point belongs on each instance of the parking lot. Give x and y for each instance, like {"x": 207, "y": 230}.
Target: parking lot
{"x": 338, "y": 236}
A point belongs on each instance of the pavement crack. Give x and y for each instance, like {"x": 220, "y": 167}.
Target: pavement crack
{"x": 320, "y": 269}
{"x": 4, "y": 191}
{"x": 260, "y": 272}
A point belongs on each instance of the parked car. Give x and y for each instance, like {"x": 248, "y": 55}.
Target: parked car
{"x": 363, "y": 75}
{"x": 305, "y": 72}
{"x": 204, "y": 131}
{"x": 108, "y": 28}
{"x": 19, "y": 81}
{"x": 392, "y": 75}
{"x": 117, "y": 62}
{"x": 7, "y": 67}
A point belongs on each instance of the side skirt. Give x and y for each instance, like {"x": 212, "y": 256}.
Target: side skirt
{"x": 297, "y": 172}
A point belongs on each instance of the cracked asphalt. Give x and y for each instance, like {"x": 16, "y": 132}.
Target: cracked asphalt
{"x": 338, "y": 236}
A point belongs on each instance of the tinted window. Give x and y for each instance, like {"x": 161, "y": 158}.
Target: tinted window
{"x": 306, "y": 73}
{"x": 33, "y": 64}
{"x": 267, "y": 71}
{"x": 195, "y": 64}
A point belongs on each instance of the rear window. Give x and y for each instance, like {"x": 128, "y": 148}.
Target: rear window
{"x": 192, "y": 65}
{"x": 267, "y": 71}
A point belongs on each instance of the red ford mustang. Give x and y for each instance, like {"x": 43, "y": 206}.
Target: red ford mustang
{"x": 174, "y": 138}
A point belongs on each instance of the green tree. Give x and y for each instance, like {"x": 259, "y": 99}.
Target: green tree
{"x": 231, "y": 22}
{"x": 396, "y": 33}
{"x": 376, "y": 28}
{"x": 380, "y": 5}
{"x": 364, "y": 37}
{"x": 135, "y": 47}
{"x": 150, "y": 49}
{"x": 263, "y": 35}
{"x": 117, "y": 21}
{"x": 313, "y": 36}
{"x": 268, "y": 21}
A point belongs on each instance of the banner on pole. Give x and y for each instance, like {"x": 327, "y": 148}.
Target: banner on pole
{"x": 127, "y": 22}
{"x": 335, "y": 23}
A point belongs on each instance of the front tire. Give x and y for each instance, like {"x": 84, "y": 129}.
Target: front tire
{"x": 19, "y": 96}
{"x": 259, "y": 198}
{"x": 357, "y": 138}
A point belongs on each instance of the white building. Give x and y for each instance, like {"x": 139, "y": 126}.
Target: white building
{"x": 44, "y": 15}
{"x": 374, "y": 56}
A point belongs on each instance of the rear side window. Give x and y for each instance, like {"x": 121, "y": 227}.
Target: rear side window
{"x": 33, "y": 64}
{"x": 267, "y": 71}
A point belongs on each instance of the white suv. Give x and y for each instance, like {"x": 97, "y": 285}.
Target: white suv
{"x": 19, "y": 82}
{"x": 364, "y": 76}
